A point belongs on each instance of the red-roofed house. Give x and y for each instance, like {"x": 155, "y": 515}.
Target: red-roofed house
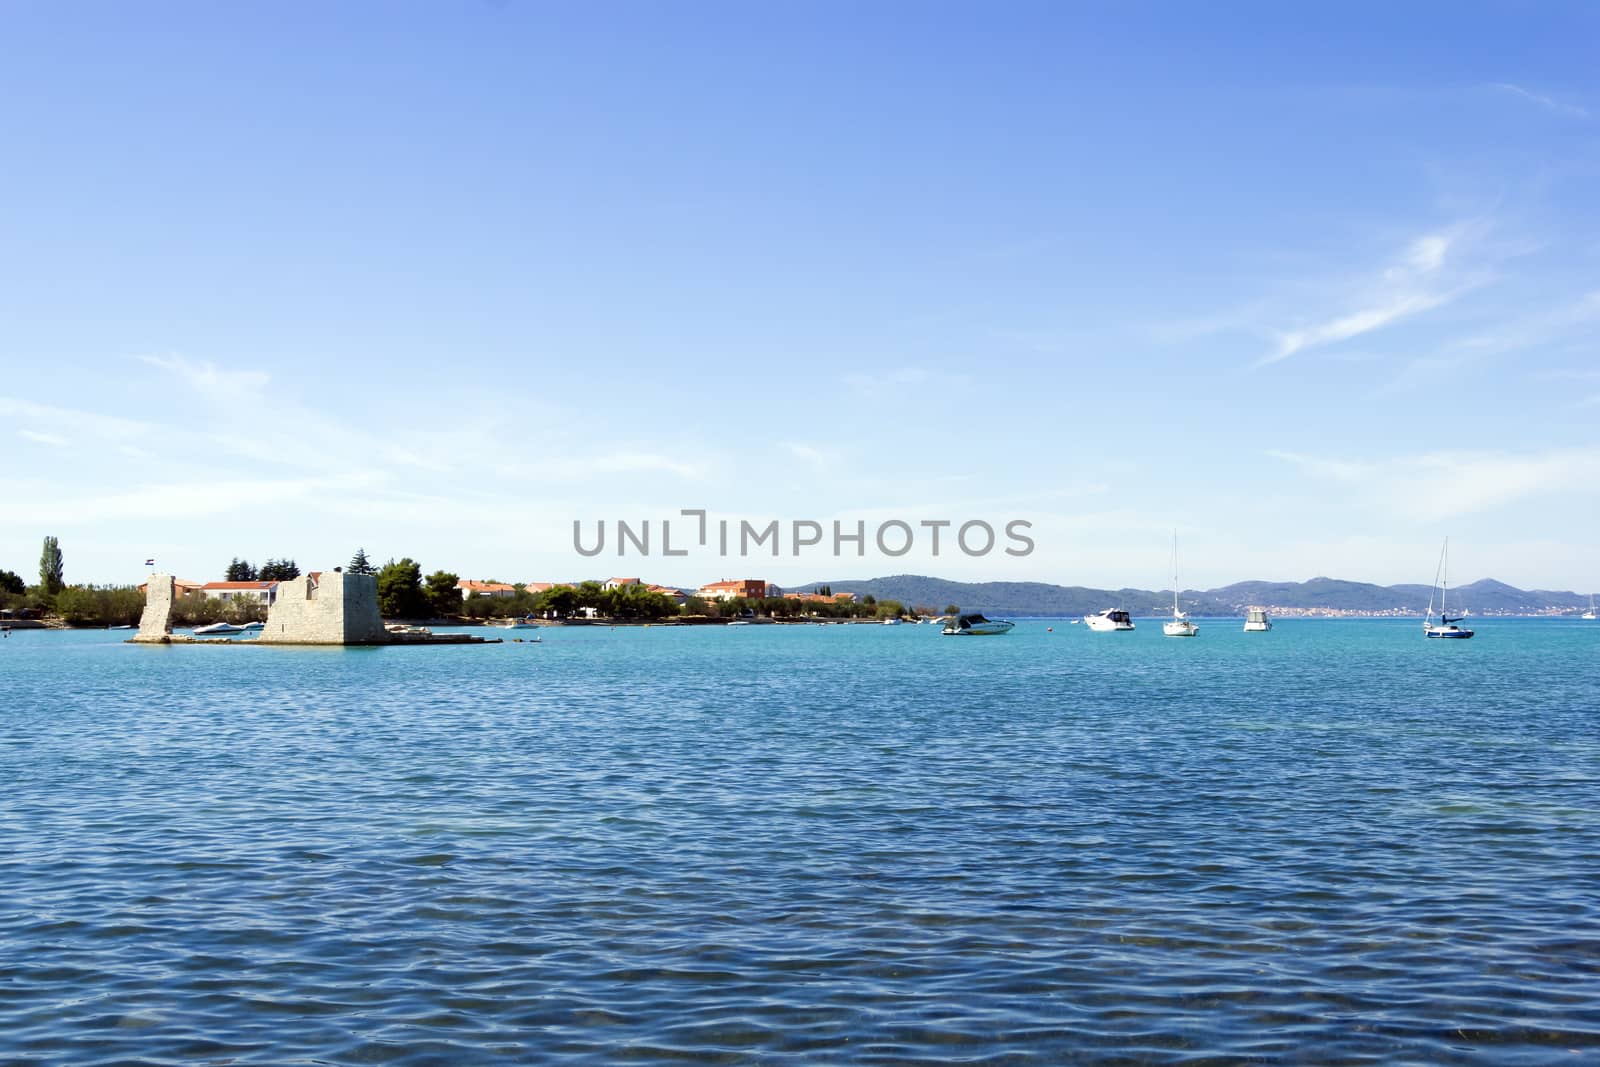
{"x": 727, "y": 589}
{"x": 618, "y": 583}
{"x": 812, "y": 598}
{"x": 180, "y": 587}
{"x": 262, "y": 591}
{"x": 469, "y": 587}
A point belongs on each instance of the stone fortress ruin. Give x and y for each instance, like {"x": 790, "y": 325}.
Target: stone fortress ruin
{"x": 332, "y": 608}
{"x": 326, "y": 608}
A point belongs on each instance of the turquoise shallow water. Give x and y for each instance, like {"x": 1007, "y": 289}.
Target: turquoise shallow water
{"x": 1333, "y": 843}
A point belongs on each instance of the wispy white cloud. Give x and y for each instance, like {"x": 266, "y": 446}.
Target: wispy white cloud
{"x": 819, "y": 459}
{"x": 1339, "y": 470}
{"x": 578, "y": 468}
{"x": 35, "y": 502}
{"x": 1546, "y": 102}
{"x": 1354, "y": 324}
{"x": 51, "y": 439}
{"x": 1416, "y": 281}
{"x": 48, "y": 419}
{"x": 899, "y": 379}
{"x": 1448, "y": 484}
{"x": 206, "y": 377}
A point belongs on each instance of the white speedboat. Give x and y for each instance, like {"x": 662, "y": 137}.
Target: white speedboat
{"x": 515, "y": 624}
{"x": 1256, "y": 621}
{"x": 972, "y": 624}
{"x": 218, "y": 629}
{"x": 1109, "y": 621}
{"x": 1180, "y": 626}
{"x": 1446, "y": 626}
{"x": 891, "y": 622}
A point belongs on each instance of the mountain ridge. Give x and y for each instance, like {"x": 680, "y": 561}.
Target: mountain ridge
{"x": 1316, "y": 596}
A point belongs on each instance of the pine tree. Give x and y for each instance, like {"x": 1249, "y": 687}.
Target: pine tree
{"x": 359, "y": 564}
{"x": 240, "y": 571}
{"x": 50, "y": 567}
{"x": 279, "y": 570}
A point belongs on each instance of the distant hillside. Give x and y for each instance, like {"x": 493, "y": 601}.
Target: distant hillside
{"x": 1319, "y": 595}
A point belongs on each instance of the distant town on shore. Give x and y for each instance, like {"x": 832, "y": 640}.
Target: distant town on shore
{"x": 244, "y": 591}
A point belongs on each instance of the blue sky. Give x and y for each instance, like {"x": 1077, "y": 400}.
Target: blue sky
{"x": 1315, "y": 288}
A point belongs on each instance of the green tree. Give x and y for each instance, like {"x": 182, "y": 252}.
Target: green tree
{"x": 76, "y": 605}
{"x": 559, "y": 600}
{"x": 239, "y": 570}
{"x": 590, "y": 595}
{"x": 51, "y": 579}
{"x": 952, "y": 609}
{"x": 278, "y": 570}
{"x": 400, "y": 592}
{"x": 443, "y": 596}
{"x": 360, "y": 564}
{"x": 12, "y": 583}
{"x": 695, "y": 605}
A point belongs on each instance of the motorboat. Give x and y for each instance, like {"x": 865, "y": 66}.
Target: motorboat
{"x": 1446, "y": 626}
{"x": 973, "y": 624}
{"x": 514, "y": 623}
{"x": 1256, "y": 621}
{"x": 1109, "y": 620}
{"x": 1181, "y": 625}
{"x": 893, "y": 621}
{"x": 256, "y": 626}
{"x": 218, "y": 629}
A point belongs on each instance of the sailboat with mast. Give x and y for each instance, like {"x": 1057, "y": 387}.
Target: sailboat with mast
{"x": 1590, "y": 615}
{"x": 1441, "y": 581}
{"x": 1180, "y": 626}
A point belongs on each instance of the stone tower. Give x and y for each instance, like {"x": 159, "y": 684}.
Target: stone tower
{"x": 156, "y": 622}
{"x": 333, "y": 608}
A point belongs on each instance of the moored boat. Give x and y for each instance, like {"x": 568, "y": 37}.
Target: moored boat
{"x": 1446, "y": 627}
{"x": 1109, "y": 621}
{"x": 1180, "y": 626}
{"x": 1256, "y": 621}
{"x": 972, "y": 624}
{"x": 218, "y": 629}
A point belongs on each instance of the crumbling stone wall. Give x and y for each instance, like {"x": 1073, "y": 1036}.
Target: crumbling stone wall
{"x": 156, "y": 622}
{"x": 335, "y": 609}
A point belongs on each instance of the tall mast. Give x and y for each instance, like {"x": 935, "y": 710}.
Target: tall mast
{"x": 1174, "y": 574}
{"x": 1444, "y": 585}
{"x": 1427, "y": 620}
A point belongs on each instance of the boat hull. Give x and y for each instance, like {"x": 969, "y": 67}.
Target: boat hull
{"x": 1458, "y": 635}
{"x": 986, "y": 629}
{"x": 1180, "y": 629}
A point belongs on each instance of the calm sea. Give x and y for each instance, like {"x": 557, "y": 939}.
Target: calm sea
{"x": 1334, "y": 843}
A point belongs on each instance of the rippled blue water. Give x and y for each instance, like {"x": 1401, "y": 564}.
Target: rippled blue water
{"x": 1333, "y": 843}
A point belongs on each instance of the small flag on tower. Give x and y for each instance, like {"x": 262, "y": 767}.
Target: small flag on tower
{"x": 149, "y": 563}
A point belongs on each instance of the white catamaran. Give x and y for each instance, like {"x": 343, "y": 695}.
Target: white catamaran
{"x": 1441, "y": 582}
{"x": 1180, "y": 626}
